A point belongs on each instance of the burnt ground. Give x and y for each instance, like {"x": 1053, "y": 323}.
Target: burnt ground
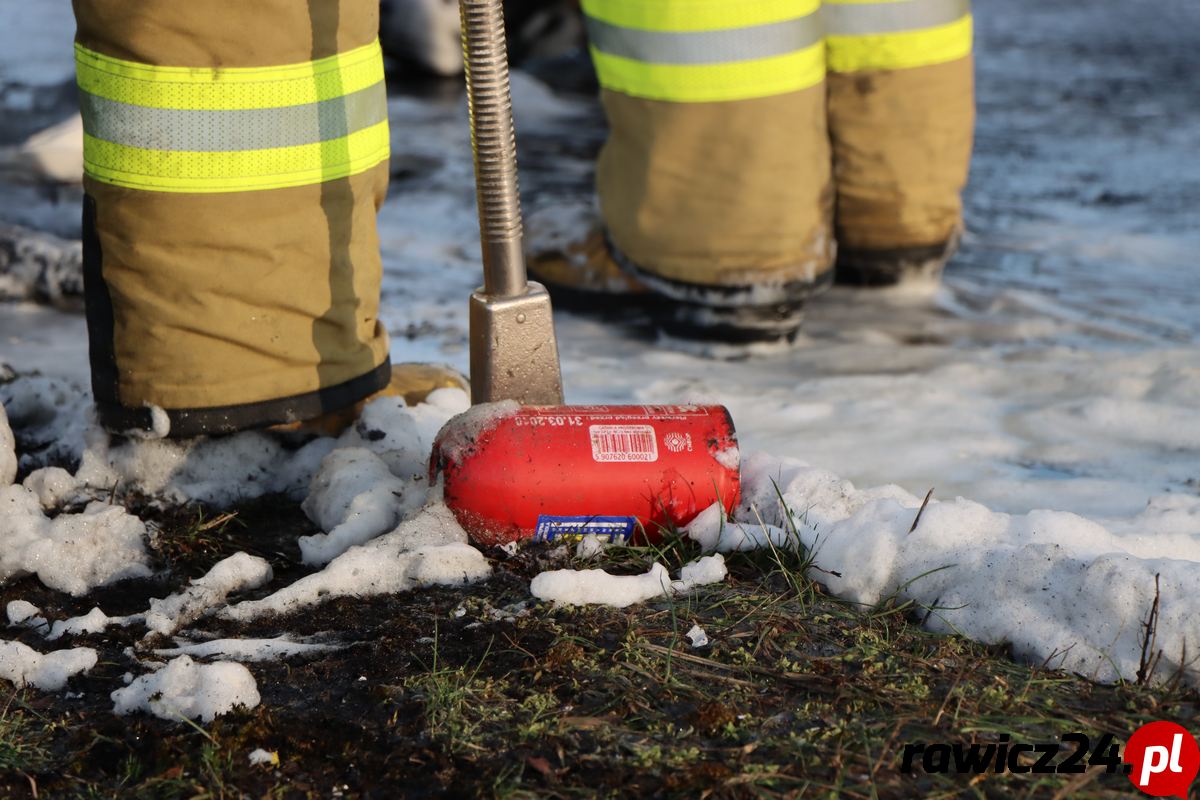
{"x": 482, "y": 692}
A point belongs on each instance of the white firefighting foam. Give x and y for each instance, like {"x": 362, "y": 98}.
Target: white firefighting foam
{"x": 597, "y": 587}
{"x": 184, "y": 689}
{"x": 429, "y": 549}
{"x": 24, "y": 666}
{"x": 239, "y": 572}
{"x": 72, "y": 553}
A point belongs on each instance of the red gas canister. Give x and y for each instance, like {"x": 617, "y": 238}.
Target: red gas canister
{"x": 513, "y": 472}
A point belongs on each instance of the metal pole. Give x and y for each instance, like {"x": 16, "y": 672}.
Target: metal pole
{"x": 514, "y": 352}
{"x": 493, "y": 141}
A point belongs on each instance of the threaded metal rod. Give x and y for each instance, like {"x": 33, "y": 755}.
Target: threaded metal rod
{"x": 493, "y": 140}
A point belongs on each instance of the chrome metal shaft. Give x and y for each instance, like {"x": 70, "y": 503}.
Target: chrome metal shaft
{"x": 493, "y": 140}
{"x": 514, "y": 352}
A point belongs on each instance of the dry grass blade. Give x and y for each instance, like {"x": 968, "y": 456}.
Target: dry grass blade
{"x": 921, "y": 510}
{"x": 217, "y": 521}
{"x": 1149, "y": 659}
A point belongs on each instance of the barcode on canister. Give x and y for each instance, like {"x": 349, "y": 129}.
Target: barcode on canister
{"x": 623, "y": 443}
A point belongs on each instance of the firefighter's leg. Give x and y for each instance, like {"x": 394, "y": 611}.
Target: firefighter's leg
{"x": 714, "y": 184}
{"x": 236, "y": 155}
{"x": 901, "y": 117}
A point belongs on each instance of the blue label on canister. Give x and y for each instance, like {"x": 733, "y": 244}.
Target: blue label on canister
{"x": 572, "y": 529}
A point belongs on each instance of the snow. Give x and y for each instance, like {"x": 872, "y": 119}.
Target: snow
{"x": 184, "y": 689}
{"x": 53, "y": 155}
{"x": 53, "y": 414}
{"x": 425, "y": 31}
{"x": 428, "y": 549}
{"x": 459, "y": 435}
{"x": 237, "y": 573}
{"x": 8, "y": 451}
{"x": 247, "y": 649}
{"x": 712, "y": 531}
{"x": 72, "y": 553}
{"x": 597, "y": 587}
{"x": 37, "y": 47}
{"x": 49, "y": 672}
{"x": 1061, "y": 589}
{"x": 730, "y": 457}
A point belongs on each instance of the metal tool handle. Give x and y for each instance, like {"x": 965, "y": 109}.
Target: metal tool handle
{"x": 514, "y": 352}
{"x": 493, "y": 141}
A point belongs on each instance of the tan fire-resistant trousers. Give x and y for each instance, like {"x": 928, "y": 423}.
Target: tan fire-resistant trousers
{"x": 732, "y": 160}
{"x": 235, "y": 157}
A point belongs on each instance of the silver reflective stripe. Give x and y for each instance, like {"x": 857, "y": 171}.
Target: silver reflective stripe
{"x": 203, "y": 131}
{"x": 705, "y": 47}
{"x": 862, "y": 19}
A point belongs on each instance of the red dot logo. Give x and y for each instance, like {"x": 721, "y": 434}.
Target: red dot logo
{"x": 1163, "y": 758}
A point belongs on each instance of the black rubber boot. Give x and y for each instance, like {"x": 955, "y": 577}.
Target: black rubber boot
{"x": 737, "y": 315}
{"x": 883, "y": 268}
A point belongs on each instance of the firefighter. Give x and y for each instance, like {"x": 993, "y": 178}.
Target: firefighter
{"x": 235, "y": 157}
{"x": 754, "y": 145}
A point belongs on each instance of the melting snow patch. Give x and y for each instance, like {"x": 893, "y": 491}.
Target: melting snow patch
{"x": 248, "y": 649}
{"x": 428, "y": 549}
{"x": 1059, "y": 588}
{"x": 8, "y": 451}
{"x": 238, "y": 573}
{"x": 461, "y": 433}
{"x": 52, "y": 417}
{"x": 185, "y": 689}
{"x": 49, "y": 672}
{"x": 713, "y": 532}
{"x": 597, "y": 587}
{"x": 72, "y": 553}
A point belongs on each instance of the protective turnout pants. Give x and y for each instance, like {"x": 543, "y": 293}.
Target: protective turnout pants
{"x": 747, "y": 136}
{"x": 235, "y": 157}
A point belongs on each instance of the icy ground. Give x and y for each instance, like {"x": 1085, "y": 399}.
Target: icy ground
{"x": 1057, "y": 367}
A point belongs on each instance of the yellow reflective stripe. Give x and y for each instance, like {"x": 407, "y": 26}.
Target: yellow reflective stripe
{"x": 708, "y": 83}
{"x": 243, "y": 170}
{"x": 905, "y": 50}
{"x": 234, "y": 88}
{"x": 696, "y": 15}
